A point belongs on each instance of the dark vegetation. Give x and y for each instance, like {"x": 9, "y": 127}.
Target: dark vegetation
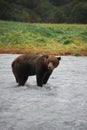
{"x": 44, "y": 11}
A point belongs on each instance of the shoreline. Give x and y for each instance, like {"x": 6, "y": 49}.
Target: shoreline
{"x": 42, "y": 52}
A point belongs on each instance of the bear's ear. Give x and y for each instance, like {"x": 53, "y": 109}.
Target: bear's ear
{"x": 45, "y": 56}
{"x": 59, "y": 58}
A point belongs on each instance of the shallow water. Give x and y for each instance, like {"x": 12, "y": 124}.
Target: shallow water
{"x": 59, "y": 105}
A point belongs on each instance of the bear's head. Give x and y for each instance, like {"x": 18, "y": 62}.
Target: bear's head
{"x": 52, "y": 61}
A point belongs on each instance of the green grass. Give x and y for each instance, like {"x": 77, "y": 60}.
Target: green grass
{"x": 53, "y": 38}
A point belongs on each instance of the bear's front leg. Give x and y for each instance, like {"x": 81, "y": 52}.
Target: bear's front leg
{"x": 46, "y": 77}
{"x": 39, "y": 80}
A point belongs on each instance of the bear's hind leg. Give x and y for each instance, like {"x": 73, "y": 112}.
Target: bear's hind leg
{"x": 22, "y": 80}
{"x": 16, "y": 77}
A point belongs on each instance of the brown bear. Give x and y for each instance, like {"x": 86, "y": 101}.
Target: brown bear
{"x": 28, "y": 65}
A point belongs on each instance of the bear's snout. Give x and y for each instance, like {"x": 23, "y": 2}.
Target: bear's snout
{"x": 50, "y": 66}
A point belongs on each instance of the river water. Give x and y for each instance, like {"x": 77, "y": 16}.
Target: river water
{"x": 59, "y": 105}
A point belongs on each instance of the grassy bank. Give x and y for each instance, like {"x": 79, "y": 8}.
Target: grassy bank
{"x": 64, "y": 39}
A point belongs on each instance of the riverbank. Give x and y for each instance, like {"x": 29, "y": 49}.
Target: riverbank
{"x": 55, "y": 39}
{"x": 42, "y": 51}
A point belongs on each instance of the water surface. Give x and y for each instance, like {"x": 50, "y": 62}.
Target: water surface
{"x": 59, "y": 105}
